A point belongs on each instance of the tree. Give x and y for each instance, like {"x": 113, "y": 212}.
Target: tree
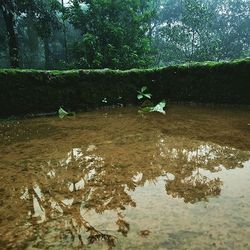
{"x": 195, "y": 30}
{"x": 36, "y": 15}
{"x": 114, "y": 34}
{"x": 8, "y": 8}
{"x": 186, "y": 30}
{"x": 231, "y": 28}
{"x": 121, "y": 34}
{"x": 46, "y": 21}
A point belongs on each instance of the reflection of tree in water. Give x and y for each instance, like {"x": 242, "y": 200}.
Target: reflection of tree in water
{"x": 122, "y": 224}
{"x": 194, "y": 188}
{"x": 83, "y": 181}
{"x": 73, "y": 186}
{"x": 187, "y": 165}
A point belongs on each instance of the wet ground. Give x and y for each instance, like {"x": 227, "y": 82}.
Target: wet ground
{"x": 114, "y": 179}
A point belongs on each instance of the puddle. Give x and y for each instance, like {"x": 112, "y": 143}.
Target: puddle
{"x": 122, "y": 181}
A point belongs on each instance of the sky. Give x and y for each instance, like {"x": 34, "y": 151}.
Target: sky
{"x": 65, "y": 2}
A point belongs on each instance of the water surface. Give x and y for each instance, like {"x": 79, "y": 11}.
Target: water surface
{"x": 114, "y": 179}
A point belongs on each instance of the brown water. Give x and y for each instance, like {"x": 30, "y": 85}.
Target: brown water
{"x": 115, "y": 179}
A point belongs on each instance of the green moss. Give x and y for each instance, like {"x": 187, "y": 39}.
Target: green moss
{"x": 31, "y": 91}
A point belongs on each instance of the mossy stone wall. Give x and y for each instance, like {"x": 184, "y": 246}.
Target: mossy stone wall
{"x": 31, "y": 91}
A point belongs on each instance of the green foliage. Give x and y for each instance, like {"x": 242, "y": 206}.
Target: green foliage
{"x": 62, "y": 113}
{"x": 197, "y": 30}
{"x": 146, "y": 109}
{"x": 122, "y": 34}
{"x": 32, "y": 91}
{"x": 160, "y": 107}
{"x": 142, "y": 93}
{"x": 113, "y": 34}
{"x": 157, "y": 108}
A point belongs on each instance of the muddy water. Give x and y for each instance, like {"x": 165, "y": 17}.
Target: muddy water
{"x": 114, "y": 179}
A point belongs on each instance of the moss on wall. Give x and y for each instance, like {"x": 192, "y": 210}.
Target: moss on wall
{"x": 31, "y": 91}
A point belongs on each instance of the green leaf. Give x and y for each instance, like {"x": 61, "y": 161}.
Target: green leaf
{"x": 104, "y": 100}
{"x": 160, "y": 107}
{"x": 148, "y": 96}
{"x": 62, "y": 113}
{"x": 140, "y": 96}
{"x": 145, "y": 110}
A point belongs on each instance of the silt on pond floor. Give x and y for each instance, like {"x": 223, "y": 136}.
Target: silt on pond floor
{"x": 118, "y": 180}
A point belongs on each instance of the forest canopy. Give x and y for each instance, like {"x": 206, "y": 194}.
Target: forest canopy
{"x": 121, "y": 34}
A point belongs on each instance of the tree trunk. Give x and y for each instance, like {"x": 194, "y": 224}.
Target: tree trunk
{"x": 47, "y": 63}
{"x": 7, "y": 7}
{"x": 192, "y": 48}
{"x": 65, "y": 43}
